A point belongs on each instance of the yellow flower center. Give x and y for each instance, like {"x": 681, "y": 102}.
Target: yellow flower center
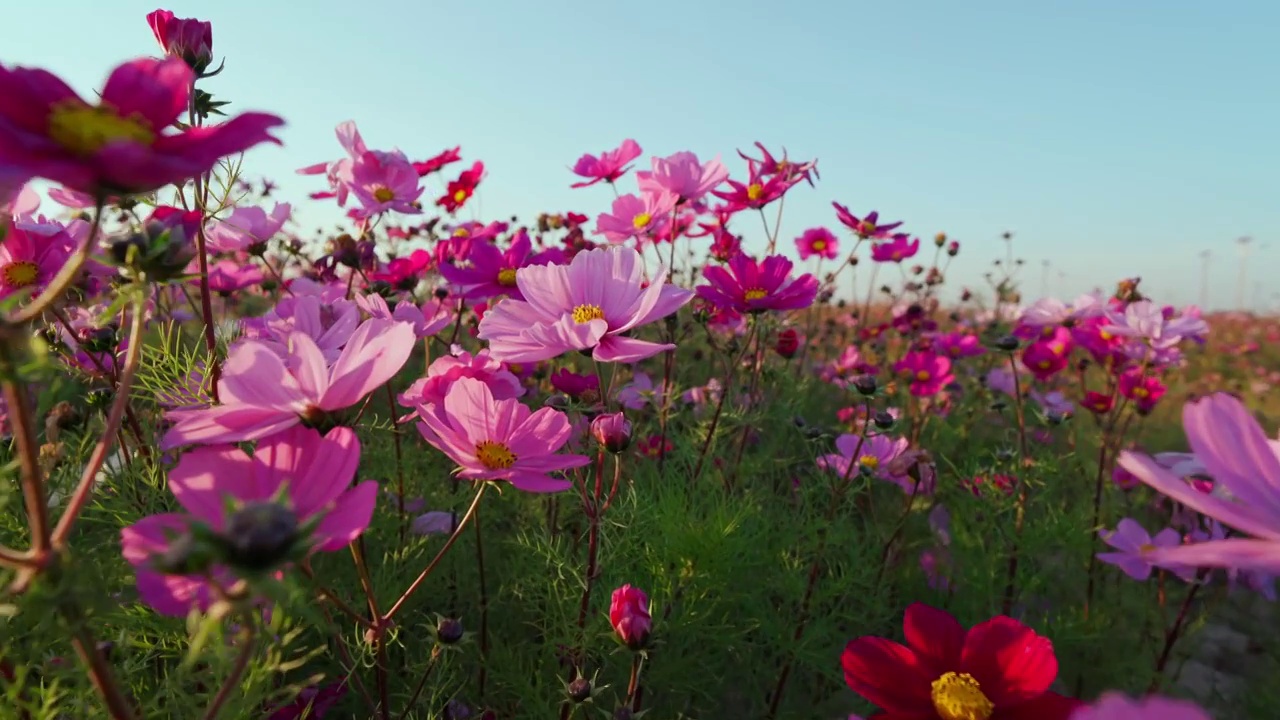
{"x": 86, "y": 129}
{"x": 755, "y": 294}
{"x": 507, "y": 277}
{"x": 819, "y": 245}
{"x": 754, "y": 191}
{"x": 494, "y": 455}
{"x": 587, "y": 313}
{"x": 1044, "y": 364}
{"x": 957, "y": 696}
{"x": 641, "y": 221}
{"x": 516, "y": 368}
{"x": 1146, "y": 548}
{"x": 866, "y": 227}
{"x": 1105, "y": 335}
{"x": 897, "y": 255}
{"x": 1141, "y": 392}
{"x": 870, "y": 462}
{"x": 461, "y": 232}
{"x": 20, "y": 274}
{"x": 923, "y": 376}
{"x": 383, "y": 195}
{"x": 459, "y": 196}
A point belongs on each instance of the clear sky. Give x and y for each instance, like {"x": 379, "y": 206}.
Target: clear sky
{"x": 1114, "y": 137}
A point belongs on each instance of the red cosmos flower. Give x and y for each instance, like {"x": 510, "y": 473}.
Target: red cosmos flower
{"x": 435, "y": 164}
{"x": 458, "y": 191}
{"x": 997, "y": 670}
{"x": 1096, "y": 402}
{"x": 787, "y": 343}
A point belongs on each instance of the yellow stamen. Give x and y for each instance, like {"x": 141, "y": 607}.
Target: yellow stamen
{"x": 494, "y": 455}
{"x": 923, "y": 376}
{"x": 383, "y": 195}
{"x": 755, "y": 191}
{"x": 1141, "y": 392}
{"x": 507, "y": 277}
{"x": 459, "y": 196}
{"x": 461, "y": 232}
{"x": 957, "y": 696}
{"x": 755, "y": 294}
{"x": 818, "y": 245}
{"x": 870, "y": 462}
{"x": 20, "y": 274}
{"x": 641, "y": 221}
{"x": 587, "y": 313}
{"x": 86, "y": 129}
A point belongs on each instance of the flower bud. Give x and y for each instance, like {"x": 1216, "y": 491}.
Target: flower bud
{"x": 629, "y": 615}
{"x": 189, "y": 39}
{"x": 883, "y": 420}
{"x": 865, "y": 384}
{"x": 260, "y": 534}
{"x": 580, "y": 690}
{"x": 788, "y": 343}
{"x": 940, "y": 239}
{"x": 1008, "y": 343}
{"x": 449, "y": 630}
{"x": 612, "y": 431}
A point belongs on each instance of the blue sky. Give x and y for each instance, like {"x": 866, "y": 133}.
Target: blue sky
{"x": 1113, "y": 138}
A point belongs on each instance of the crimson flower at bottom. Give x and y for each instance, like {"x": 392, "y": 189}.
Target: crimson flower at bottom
{"x": 997, "y": 670}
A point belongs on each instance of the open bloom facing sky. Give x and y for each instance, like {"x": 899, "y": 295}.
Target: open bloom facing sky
{"x": 232, "y": 492}
{"x": 1229, "y": 443}
{"x": 120, "y": 143}
{"x": 493, "y": 439}
{"x": 747, "y": 286}
{"x": 588, "y": 304}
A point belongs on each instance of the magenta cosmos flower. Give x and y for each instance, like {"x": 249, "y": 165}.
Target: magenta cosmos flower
{"x": 490, "y": 272}
{"x": 31, "y": 255}
{"x": 748, "y": 286}
{"x": 589, "y": 304}
{"x": 635, "y": 216}
{"x": 611, "y": 165}
{"x": 1227, "y": 440}
{"x": 261, "y": 395}
{"x": 445, "y": 371}
{"x": 185, "y": 38}
{"x": 897, "y": 249}
{"x": 866, "y": 227}
{"x": 252, "y": 513}
{"x": 928, "y": 372}
{"x": 873, "y": 455}
{"x": 494, "y": 439}
{"x": 119, "y": 144}
{"x": 818, "y": 241}
{"x": 1116, "y": 706}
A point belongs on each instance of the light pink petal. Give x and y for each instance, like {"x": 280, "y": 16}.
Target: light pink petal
{"x": 374, "y": 354}
{"x": 224, "y": 424}
{"x": 546, "y": 290}
{"x": 1224, "y": 436}
{"x": 348, "y": 518}
{"x": 539, "y": 483}
{"x": 253, "y": 374}
{"x": 616, "y": 348}
{"x": 206, "y": 478}
{"x": 331, "y": 463}
{"x": 1241, "y": 517}
{"x": 1232, "y": 553}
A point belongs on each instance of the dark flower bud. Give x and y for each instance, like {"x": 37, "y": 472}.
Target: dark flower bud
{"x": 580, "y": 690}
{"x": 1008, "y": 343}
{"x": 260, "y": 534}
{"x": 184, "y": 556}
{"x": 866, "y": 385}
{"x": 883, "y": 420}
{"x": 559, "y": 401}
{"x": 441, "y": 293}
{"x": 449, "y": 630}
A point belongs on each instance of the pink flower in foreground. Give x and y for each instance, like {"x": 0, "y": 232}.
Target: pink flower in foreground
{"x": 748, "y": 286}
{"x": 1231, "y": 445}
{"x": 589, "y": 304}
{"x": 118, "y": 145}
{"x": 818, "y": 241}
{"x": 1117, "y": 706}
{"x": 261, "y": 396}
{"x": 248, "y": 512}
{"x": 494, "y": 439}
{"x": 611, "y": 165}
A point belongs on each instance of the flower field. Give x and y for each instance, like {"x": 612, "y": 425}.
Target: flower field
{"x": 669, "y": 456}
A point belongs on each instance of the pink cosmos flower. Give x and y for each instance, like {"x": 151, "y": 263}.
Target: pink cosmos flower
{"x": 494, "y": 439}
{"x": 611, "y": 165}
{"x": 1117, "y": 706}
{"x": 900, "y": 247}
{"x": 758, "y": 191}
{"x": 1144, "y": 389}
{"x": 818, "y": 241}
{"x": 118, "y": 145}
{"x": 338, "y": 172}
{"x": 1047, "y": 358}
{"x": 1051, "y": 311}
{"x": 328, "y": 324}
{"x": 589, "y": 304}
{"x": 1231, "y": 445}
{"x": 261, "y": 396}
{"x": 16, "y": 198}
{"x": 1132, "y": 541}
{"x": 683, "y": 176}
{"x": 31, "y": 255}
{"x": 958, "y": 345}
{"x": 426, "y": 320}
{"x": 93, "y": 343}
{"x": 636, "y": 216}
{"x": 640, "y": 392}
{"x": 874, "y": 456}
{"x": 404, "y": 273}
{"x": 188, "y": 39}
{"x": 867, "y": 227}
{"x": 246, "y": 227}
{"x": 928, "y": 372}
{"x": 491, "y": 272}
{"x": 385, "y": 182}
{"x": 443, "y": 372}
{"x": 228, "y": 276}
{"x": 256, "y": 508}
{"x": 751, "y": 287}
{"x": 1146, "y": 321}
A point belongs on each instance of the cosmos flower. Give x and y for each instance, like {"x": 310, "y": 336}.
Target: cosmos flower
{"x": 608, "y": 167}
{"x": 683, "y": 176}
{"x": 818, "y": 241}
{"x": 747, "y": 286}
{"x": 635, "y": 216}
{"x": 246, "y": 227}
{"x": 867, "y": 227}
